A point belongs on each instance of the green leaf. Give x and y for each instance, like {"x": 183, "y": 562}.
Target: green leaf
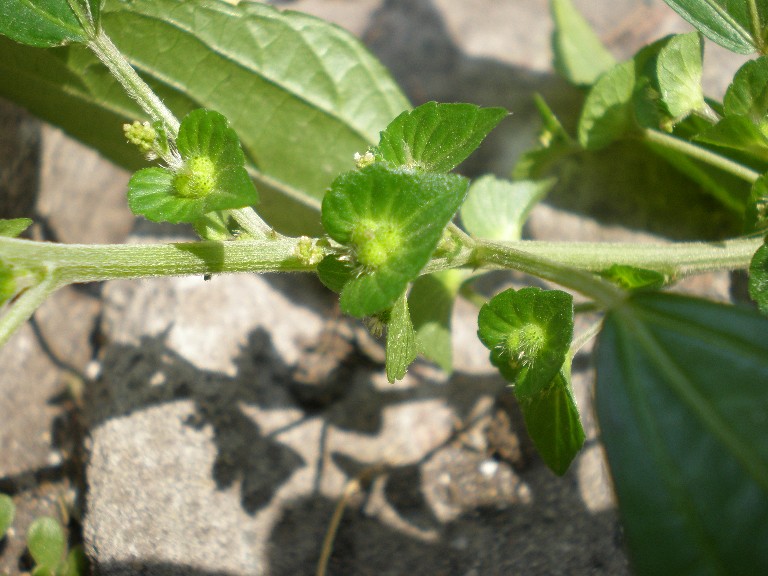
{"x": 725, "y": 22}
{"x": 7, "y": 512}
{"x": 681, "y": 403}
{"x": 748, "y": 93}
{"x": 304, "y": 95}
{"x": 212, "y": 176}
{"x": 431, "y": 305}
{"x": 737, "y": 133}
{"x": 401, "y": 341}
{"x": 608, "y": 113}
{"x": 757, "y": 207}
{"x": 40, "y": 23}
{"x": 580, "y": 56}
{"x": 528, "y": 333}
{"x": 678, "y": 73}
{"x": 497, "y": 209}
{"x": 13, "y": 227}
{"x": 631, "y": 278}
{"x": 553, "y": 423}
{"x": 391, "y": 220}
{"x": 46, "y": 542}
{"x": 436, "y": 137}
{"x": 758, "y": 278}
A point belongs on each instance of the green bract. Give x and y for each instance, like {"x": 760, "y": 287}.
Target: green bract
{"x": 748, "y": 93}
{"x": 678, "y": 74}
{"x": 401, "y": 340}
{"x": 436, "y": 137}
{"x": 431, "y": 305}
{"x": 211, "y": 176}
{"x": 497, "y": 209}
{"x": 681, "y": 401}
{"x": 528, "y": 333}
{"x": 745, "y": 126}
{"x": 608, "y": 113}
{"x": 390, "y": 221}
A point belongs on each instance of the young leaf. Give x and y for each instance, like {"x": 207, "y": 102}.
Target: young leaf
{"x": 13, "y": 227}
{"x": 758, "y": 278}
{"x": 748, "y": 93}
{"x": 725, "y": 22}
{"x": 436, "y": 137}
{"x": 431, "y": 305}
{"x": 497, "y": 209}
{"x": 678, "y": 73}
{"x": 76, "y": 563}
{"x": 528, "y": 333}
{"x": 212, "y": 177}
{"x": 580, "y": 56}
{"x": 7, "y": 512}
{"x": 608, "y": 113}
{"x": 392, "y": 221}
{"x": 401, "y": 340}
{"x": 681, "y": 402}
{"x": 553, "y": 423}
{"x": 40, "y": 23}
{"x": 46, "y": 542}
{"x": 632, "y": 278}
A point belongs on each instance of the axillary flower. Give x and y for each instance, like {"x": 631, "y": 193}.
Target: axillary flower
{"x": 208, "y": 173}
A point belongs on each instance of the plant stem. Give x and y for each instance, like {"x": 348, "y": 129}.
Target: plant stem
{"x": 699, "y": 153}
{"x": 103, "y": 47}
{"x": 70, "y": 263}
{"x": 496, "y": 253}
{"x": 674, "y": 259}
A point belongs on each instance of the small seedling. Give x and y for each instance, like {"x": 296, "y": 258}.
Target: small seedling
{"x": 7, "y": 512}
{"x": 47, "y": 545}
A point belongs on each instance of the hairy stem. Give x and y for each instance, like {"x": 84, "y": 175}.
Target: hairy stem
{"x": 70, "y": 263}
{"x": 112, "y": 58}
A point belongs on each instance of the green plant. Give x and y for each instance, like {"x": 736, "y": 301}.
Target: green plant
{"x": 679, "y": 391}
{"x": 7, "y": 512}
{"x": 47, "y": 545}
